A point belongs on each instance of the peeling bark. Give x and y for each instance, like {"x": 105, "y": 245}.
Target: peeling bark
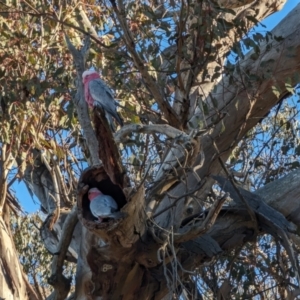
{"x": 12, "y": 284}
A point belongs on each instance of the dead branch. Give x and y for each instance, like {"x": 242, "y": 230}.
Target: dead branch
{"x": 108, "y": 151}
{"x": 79, "y": 101}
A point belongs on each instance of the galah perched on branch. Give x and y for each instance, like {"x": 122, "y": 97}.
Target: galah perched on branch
{"x": 103, "y": 206}
{"x": 98, "y": 94}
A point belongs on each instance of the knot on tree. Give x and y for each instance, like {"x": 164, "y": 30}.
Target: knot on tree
{"x": 96, "y": 177}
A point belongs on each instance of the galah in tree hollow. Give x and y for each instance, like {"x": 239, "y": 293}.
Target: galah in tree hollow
{"x": 98, "y": 94}
{"x": 103, "y": 206}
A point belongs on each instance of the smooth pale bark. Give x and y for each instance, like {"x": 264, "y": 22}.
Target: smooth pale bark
{"x": 284, "y": 196}
{"x": 145, "y": 274}
{"x": 256, "y": 9}
{"x": 234, "y": 95}
{"x": 12, "y": 283}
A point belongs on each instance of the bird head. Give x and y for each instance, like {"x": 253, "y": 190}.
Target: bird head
{"x": 89, "y": 74}
{"x": 93, "y": 192}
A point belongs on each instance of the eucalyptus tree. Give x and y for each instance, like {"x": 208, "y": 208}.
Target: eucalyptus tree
{"x": 204, "y": 169}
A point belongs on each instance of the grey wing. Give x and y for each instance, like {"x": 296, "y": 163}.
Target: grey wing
{"x": 103, "y": 96}
{"x": 99, "y": 209}
{"x": 110, "y": 201}
{"x": 110, "y": 122}
{"x": 115, "y": 214}
{"x": 100, "y": 84}
{"x": 103, "y": 206}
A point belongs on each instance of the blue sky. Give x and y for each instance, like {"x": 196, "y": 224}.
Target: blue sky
{"x": 32, "y": 205}
{"x": 28, "y": 204}
{"x": 275, "y": 18}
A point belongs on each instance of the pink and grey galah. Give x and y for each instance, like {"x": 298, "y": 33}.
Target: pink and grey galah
{"x": 103, "y": 206}
{"x": 98, "y": 94}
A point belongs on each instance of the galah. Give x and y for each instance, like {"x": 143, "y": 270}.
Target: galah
{"x": 103, "y": 206}
{"x": 98, "y": 94}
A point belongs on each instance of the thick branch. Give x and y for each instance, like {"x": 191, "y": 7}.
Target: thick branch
{"x": 81, "y": 106}
{"x": 233, "y": 229}
{"x": 108, "y": 248}
{"x": 12, "y": 284}
{"x": 243, "y": 107}
{"x": 206, "y": 78}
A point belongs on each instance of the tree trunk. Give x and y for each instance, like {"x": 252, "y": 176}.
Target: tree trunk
{"x": 13, "y": 282}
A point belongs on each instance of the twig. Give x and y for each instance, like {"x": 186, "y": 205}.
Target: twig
{"x": 61, "y": 183}
{"x": 34, "y": 295}
{"x": 87, "y": 22}
{"x": 91, "y": 34}
{"x": 56, "y": 197}
{"x": 164, "y": 106}
{"x": 66, "y": 237}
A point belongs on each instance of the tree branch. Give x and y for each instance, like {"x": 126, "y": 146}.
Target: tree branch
{"x": 149, "y": 82}
{"x": 56, "y": 196}
{"x": 229, "y": 131}
{"x": 191, "y": 232}
{"x": 167, "y": 130}
{"x": 81, "y": 106}
{"x": 249, "y": 209}
{"x": 57, "y": 279}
